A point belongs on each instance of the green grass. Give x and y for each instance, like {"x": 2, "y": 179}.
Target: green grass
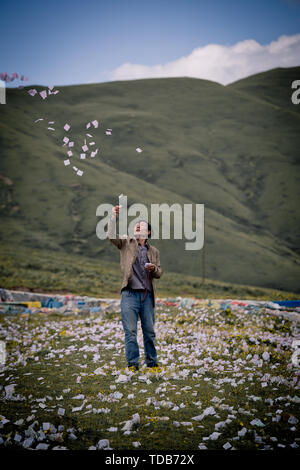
{"x": 233, "y": 148}
{"x": 264, "y": 86}
{"x": 223, "y": 339}
{"x": 54, "y": 271}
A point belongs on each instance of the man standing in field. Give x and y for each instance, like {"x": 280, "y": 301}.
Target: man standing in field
{"x": 140, "y": 264}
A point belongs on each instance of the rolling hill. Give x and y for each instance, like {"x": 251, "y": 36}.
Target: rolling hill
{"x": 234, "y": 148}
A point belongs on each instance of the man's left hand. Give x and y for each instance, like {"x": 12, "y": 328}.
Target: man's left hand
{"x": 150, "y": 267}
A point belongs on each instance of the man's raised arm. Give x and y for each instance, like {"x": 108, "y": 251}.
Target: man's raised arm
{"x": 112, "y": 228}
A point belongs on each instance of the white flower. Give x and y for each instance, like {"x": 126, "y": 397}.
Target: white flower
{"x": 257, "y": 422}
{"x": 102, "y": 444}
{"x": 136, "y": 444}
{"x": 123, "y": 379}
{"x": 227, "y": 446}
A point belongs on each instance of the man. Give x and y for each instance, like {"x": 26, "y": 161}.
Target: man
{"x": 140, "y": 264}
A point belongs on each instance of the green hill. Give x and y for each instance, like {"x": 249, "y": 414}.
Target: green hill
{"x": 231, "y": 148}
{"x": 274, "y": 87}
{"x": 41, "y": 270}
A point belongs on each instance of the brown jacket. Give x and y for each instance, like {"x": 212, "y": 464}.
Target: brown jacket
{"x": 128, "y": 252}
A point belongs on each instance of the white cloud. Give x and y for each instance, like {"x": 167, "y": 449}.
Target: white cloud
{"x": 223, "y": 64}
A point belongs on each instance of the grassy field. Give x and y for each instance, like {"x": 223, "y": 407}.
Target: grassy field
{"x": 54, "y": 271}
{"x": 233, "y": 148}
{"x": 230, "y": 370}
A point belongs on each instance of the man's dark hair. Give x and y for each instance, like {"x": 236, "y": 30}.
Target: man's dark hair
{"x": 149, "y": 226}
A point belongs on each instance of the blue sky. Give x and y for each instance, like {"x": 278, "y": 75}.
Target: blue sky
{"x": 70, "y": 42}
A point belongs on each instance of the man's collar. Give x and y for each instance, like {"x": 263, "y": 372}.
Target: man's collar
{"x": 147, "y": 244}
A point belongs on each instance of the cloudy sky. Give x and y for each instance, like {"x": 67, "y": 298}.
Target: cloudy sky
{"x": 65, "y": 42}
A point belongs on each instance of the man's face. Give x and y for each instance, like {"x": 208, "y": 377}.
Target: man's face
{"x": 141, "y": 230}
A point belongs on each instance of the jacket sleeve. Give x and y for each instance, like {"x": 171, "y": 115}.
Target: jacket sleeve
{"x": 157, "y": 273}
{"x": 112, "y": 232}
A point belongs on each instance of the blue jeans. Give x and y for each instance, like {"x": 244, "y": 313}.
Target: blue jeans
{"x": 133, "y": 306}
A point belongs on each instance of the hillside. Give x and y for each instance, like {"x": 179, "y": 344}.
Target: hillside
{"x": 231, "y": 148}
{"x": 40, "y": 270}
{"x": 273, "y": 87}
